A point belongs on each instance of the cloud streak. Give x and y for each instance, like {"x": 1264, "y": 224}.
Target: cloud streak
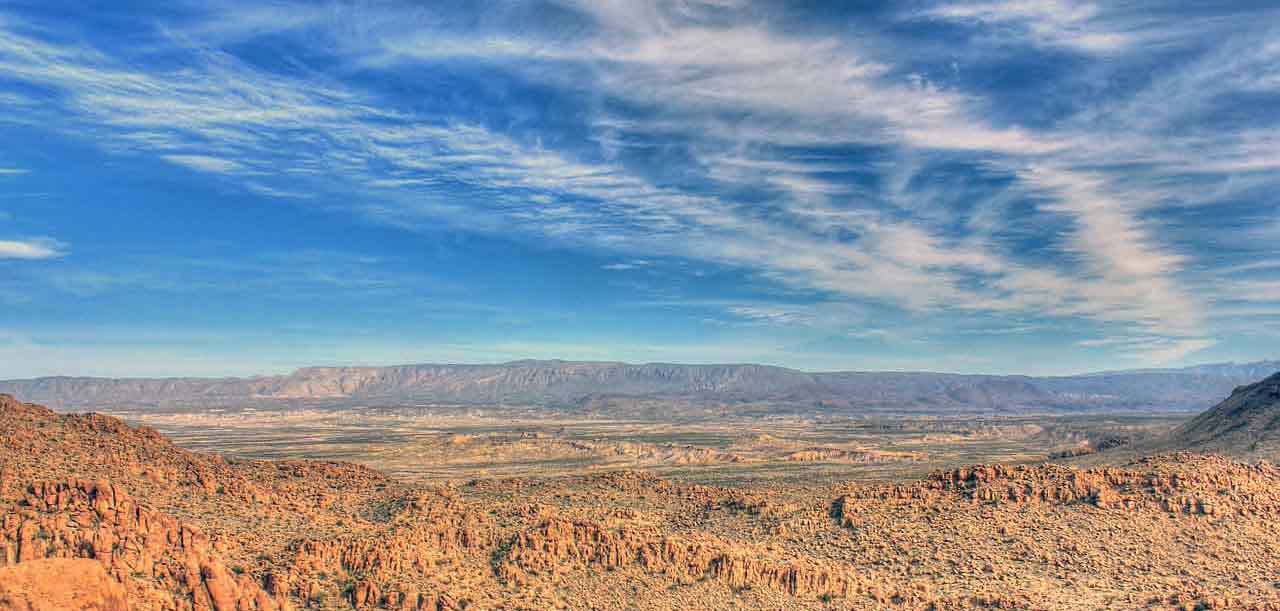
{"x": 32, "y": 249}
{"x": 1074, "y": 25}
{"x": 205, "y": 163}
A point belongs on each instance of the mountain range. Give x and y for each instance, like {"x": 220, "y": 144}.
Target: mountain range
{"x": 602, "y": 385}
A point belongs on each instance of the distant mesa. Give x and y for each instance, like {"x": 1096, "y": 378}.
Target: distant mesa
{"x": 607, "y": 387}
{"x": 1246, "y": 424}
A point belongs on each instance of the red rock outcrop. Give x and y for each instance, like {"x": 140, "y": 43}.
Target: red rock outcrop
{"x": 1180, "y": 484}
{"x": 426, "y": 532}
{"x": 558, "y": 545}
{"x": 59, "y": 584}
{"x": 164, "y": 564}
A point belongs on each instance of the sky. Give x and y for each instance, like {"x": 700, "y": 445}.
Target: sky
{"x": 1001, "y": 186}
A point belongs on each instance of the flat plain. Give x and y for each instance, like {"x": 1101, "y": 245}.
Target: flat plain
{"x": 436, "y": 445}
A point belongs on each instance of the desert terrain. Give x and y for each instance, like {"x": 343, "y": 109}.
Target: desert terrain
{"x": 451, "y": 447}
{"x": 244, "y": 510}
{"x": 642, "y": 305}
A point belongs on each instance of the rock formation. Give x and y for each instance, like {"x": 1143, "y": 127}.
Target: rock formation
{"x": 164, "y": 564}
{"x": 58, "y": 584}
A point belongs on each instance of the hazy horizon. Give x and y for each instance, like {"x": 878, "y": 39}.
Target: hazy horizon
{"x": 429, "y": 363}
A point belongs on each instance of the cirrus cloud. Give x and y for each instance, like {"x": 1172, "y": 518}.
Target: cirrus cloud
{"x": 32, "y": 249}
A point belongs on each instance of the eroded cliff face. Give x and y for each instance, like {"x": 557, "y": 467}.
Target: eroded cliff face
{"x": 152, "y": 526}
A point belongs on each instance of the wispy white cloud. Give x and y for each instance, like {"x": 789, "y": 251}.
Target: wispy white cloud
{"x": 819, "y": 89}
{"x": 32, "y": 249}
{"x": 1174, "y": 350}
{"x": 1047, "y": 22}
{"x": 893, "y": 260}
{"x": 1254, "y": 290}
{"x": 303, "y": 274}
{"x": 92, "y": 283}
{"x": 626, "y": 265}
{"x": 12, "y": 171}
{"x": 775, "y": 315}
{"x": 232, "y": 22}
{"x": 205, "y": 163}
{"x": 271, "y": 191}
{"x": 1153, "y": 350}
{"x": 1126, "y": 266}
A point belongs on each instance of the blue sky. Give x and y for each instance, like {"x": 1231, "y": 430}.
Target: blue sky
{"x": 997, "y": 186}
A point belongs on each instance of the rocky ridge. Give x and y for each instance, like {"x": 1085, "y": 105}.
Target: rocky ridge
{"x": 1247, "y": 423}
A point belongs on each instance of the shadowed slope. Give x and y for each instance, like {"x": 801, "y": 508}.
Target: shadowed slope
{"x": 1247, "y": 423}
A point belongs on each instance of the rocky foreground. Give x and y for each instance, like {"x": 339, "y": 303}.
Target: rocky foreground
{"x": 95, "y": 514}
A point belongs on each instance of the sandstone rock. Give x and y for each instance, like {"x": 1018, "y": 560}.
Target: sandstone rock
{"x": 559, "y": 543}
{"x": 364, "y": 594}
{"x": 129, "y": 539}
{"x": 60, "y": 584}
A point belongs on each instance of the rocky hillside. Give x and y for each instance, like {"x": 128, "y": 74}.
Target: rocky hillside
{"x": 1247, "y": 423}
{"x": 164, "y": 528}
{"x": 57, "y": 584}
{"x": 606, "y": 386}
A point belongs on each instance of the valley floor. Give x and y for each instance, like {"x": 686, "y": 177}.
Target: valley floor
{"x": 457, "y": 446}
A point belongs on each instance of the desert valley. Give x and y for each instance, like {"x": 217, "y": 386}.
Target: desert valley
{"x": 643, "y": 305}
{"x": 751, "y": 503}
